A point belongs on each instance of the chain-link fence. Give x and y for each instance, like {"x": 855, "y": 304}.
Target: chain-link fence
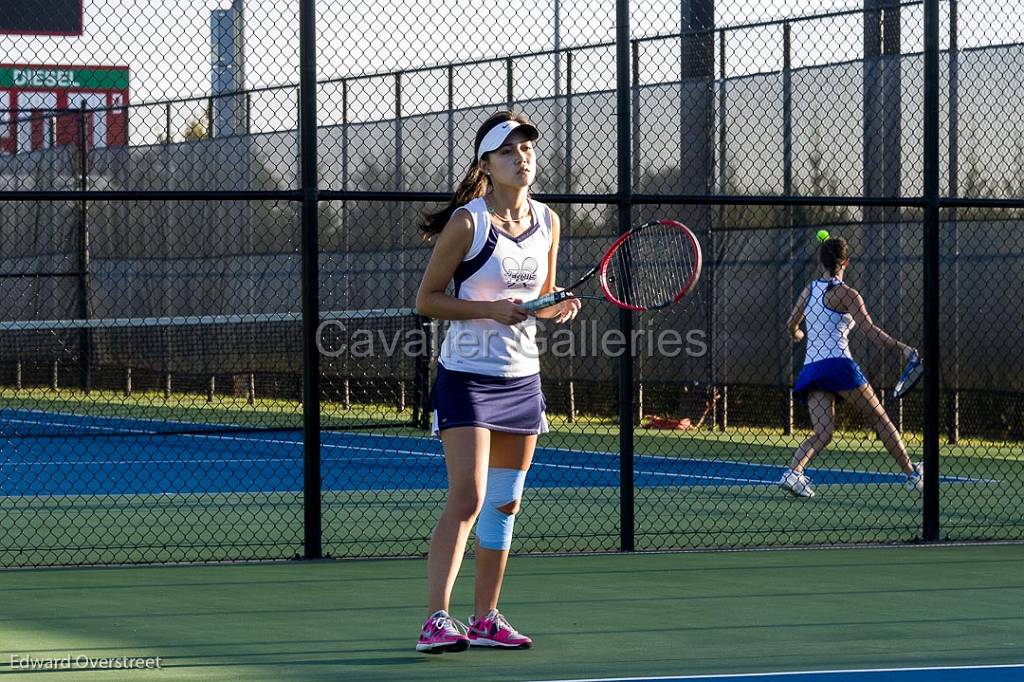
{"x": 209, "y": 258}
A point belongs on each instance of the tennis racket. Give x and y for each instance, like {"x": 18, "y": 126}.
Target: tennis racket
{"x": 652, "y": 266}
{"x": 912, "y": 373}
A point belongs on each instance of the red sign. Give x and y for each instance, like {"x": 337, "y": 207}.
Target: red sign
{"x": 43, "y": 105}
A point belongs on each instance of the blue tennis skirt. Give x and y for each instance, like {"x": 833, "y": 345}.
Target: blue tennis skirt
{"x": 512, "y": 405}
{"x": 830, "y": 375}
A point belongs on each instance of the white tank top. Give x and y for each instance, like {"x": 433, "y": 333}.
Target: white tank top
{"x": 828, "y": 330}
{"x": 498, "y": 266}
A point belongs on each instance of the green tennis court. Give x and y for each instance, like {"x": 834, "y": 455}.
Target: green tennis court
{"x": 597, "y": 616}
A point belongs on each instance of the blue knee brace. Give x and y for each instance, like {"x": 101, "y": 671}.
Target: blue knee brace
{"x": 493, "y": 526}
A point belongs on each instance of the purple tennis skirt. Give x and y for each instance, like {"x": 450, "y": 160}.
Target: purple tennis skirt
{"x": 513, "y": 405}
{"x": 830, "y": 375}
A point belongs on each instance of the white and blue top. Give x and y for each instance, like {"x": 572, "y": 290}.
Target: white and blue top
{"x": 498, "y": 266}
{"x": 828, "y": 330}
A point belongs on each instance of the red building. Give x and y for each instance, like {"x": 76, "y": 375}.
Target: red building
{"x": 41, "y": 106}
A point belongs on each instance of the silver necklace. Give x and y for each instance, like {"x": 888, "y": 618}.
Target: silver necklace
{"x": 509, "y": 220}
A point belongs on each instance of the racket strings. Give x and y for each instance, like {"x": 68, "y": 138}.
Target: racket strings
{"x": 652, "y": 267}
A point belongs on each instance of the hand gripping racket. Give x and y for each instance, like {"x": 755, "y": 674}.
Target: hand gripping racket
{"x": 912, "y": 373}
{"x": 650, "y": 267}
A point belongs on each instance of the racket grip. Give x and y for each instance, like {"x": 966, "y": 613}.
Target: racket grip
{"x": 545, "y": 301}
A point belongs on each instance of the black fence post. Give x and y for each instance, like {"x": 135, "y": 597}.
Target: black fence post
{"x": 636, "y": 179}
{"x": 636, "y": 160}
{"x": 510, "y": 89}
{"x": 891, "y": 75}
{"x": 450, "y": 128}
{"x": 787, "y": 189}
{"x": 84, "y": 260}
{"x": 567, "y": 219}
{"x": 717, "y": 399}
{"x": 310, "y": 278}
{"x": 953, "y": 409}
{"x": 930, "y": 521}
{"x": 627, "y": 540}
{"x": 421, "y": 413}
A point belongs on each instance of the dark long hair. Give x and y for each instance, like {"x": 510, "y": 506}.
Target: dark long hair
{"x": 833, "y": 253}
{"x": 474, "y": 184}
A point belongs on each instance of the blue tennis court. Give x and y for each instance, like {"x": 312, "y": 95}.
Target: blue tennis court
{"x": 138, "y": 457}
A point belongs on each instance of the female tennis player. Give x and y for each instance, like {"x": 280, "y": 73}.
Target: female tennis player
{"x": 497, "y": 248}
{"x": 829, "y": 309}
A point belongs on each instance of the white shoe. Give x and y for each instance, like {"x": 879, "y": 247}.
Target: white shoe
{"x": 797, "y": 484}
{"x": 915, "y": 482}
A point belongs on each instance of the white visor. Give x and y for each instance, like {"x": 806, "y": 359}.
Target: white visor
{"x": 495, "y": 137}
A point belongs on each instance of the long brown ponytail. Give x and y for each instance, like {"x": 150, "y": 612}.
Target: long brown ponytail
{"x": 474, "y": 184}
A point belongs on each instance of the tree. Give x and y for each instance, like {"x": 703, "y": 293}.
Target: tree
{"x": 750, "y": 215}
{"x": 196, "y": 129}
{"x": 822, "y": 184}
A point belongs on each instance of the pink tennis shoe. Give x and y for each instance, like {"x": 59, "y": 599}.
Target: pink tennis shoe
{"x": 494, "y": 631}
{"x": 442, "y": 633}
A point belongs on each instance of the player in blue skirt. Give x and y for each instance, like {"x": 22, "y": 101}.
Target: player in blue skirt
{"x": 829, "y": 309}
{"x": 495, "y": 247}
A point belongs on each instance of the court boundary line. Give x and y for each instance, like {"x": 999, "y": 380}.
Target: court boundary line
{"x": 249, "y": 437}
{"x": 793, "y": 673}
{"x": 754, "y": 465}
{"x": 948, "y": 479}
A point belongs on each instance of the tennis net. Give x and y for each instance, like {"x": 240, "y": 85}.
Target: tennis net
{"x": 211, "y": 372}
